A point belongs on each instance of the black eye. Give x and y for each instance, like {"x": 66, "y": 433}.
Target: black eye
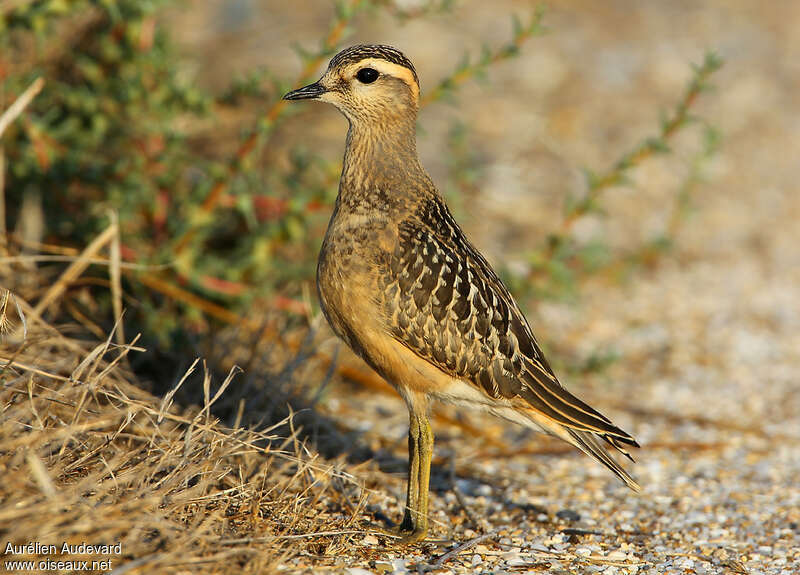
{"x": 367, "y": 75}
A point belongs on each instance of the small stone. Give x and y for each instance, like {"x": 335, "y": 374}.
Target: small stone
{"x": 399, "y": 566}
{"x": 369, "y": 540}
{"x": 516, "y": 560}
{"x": 568, "y": 515}
{"x": 383, "y": 567}
{"x": 583, "y": 551}
{"x": 617, "y": 556}
{"x": 484, "y": 490}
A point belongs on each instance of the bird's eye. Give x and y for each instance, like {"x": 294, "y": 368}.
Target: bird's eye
{"x": 367, "y": 75}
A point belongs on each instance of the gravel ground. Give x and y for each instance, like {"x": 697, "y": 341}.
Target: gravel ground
{"x": 716, "y": 416}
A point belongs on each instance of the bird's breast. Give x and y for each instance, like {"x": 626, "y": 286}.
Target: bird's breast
{"x": 347, "y": 275}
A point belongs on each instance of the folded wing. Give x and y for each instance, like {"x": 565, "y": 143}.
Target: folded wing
{"x": 445, "y": 303}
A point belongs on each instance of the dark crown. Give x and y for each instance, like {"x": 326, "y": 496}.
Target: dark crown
{"x": 362, "y": 51}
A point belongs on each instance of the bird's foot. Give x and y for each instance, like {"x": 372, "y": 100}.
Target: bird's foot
{"x": 406, "y": 535}
{"x": 409, "y": 531}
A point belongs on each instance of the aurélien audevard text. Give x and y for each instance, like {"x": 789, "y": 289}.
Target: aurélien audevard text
{"x": 38, "y": 548}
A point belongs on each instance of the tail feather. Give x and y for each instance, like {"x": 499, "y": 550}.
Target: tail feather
{"x": 586, "y": 440}
{"x": 590, "y": 444}
{"x": 544, "y": 393}
{"x": 616, "y": 444}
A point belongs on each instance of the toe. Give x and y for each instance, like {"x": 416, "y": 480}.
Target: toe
{"x": 409, "y": 537}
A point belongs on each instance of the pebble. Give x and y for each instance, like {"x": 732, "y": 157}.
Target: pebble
{"x": 516, "y": 561}
{"x": 399, "y": 566}
{"x": 484, "y": 490}
{"x": 568, "y": 515}
{"x": 370, "y": 540}
{"x": 617, "y": 556}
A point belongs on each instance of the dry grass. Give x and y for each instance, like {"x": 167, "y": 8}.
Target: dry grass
{"x": 88, "y": 456}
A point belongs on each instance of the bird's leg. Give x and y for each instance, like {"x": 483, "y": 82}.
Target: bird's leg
{"x": 420, "y": 450}
{"x": 412, "y": 493}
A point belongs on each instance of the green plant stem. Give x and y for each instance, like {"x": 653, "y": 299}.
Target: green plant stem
{"x": 343, "y": 17}
{"x": 468, "y": 70}
{"x": 679, "y": 118}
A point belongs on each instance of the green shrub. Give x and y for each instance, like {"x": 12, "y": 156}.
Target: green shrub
{"x": 210, "y": 235}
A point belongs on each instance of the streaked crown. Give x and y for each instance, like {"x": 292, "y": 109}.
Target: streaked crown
{"x": 360, "y": 52}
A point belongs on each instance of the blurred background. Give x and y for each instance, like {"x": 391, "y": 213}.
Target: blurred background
{"x": 631, "y": 169}
{"x": 587, "y": 150}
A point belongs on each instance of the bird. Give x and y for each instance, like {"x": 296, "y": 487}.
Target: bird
{"x": 399, "y": 281}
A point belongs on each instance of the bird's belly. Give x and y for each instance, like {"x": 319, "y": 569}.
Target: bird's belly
{"x": 465, "y": 394}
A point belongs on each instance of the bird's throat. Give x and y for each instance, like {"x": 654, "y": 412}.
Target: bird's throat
{"x": 381, "y": 165}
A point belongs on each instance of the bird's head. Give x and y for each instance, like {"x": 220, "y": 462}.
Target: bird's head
{"x": 368, "y": 83}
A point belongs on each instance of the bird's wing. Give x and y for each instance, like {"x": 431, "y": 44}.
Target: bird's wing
{"x": 446, "y": 304}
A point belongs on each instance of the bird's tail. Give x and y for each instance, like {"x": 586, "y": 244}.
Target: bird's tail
{"x": 590, "y": 444}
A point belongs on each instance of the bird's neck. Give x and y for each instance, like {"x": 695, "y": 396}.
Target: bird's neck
{"x": 381, "y": 166}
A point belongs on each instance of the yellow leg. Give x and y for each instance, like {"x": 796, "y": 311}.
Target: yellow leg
{"x": 420, "y": 451}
